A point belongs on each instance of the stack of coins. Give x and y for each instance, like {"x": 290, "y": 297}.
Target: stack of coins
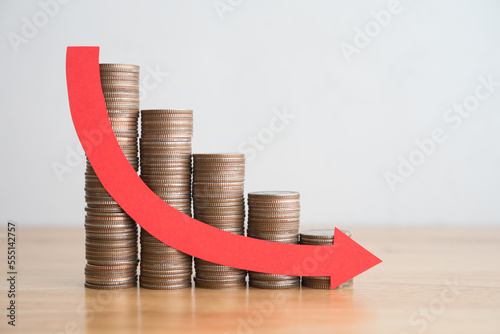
{"x": 166, "y": 169}
{"x": 218, "y": 200}
{"x": 273, "y": 216}
{"x": 111, "y": 235}
{"x": 318, "y": 238}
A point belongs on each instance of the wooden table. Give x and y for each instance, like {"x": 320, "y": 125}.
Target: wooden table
{"x": 432, "y": 280}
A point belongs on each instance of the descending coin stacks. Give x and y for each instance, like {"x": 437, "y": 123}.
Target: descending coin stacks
{"x": 273, "y": 216}
{"x": 166, "y": 169}
{"x": 318, "y": 238}
{"x": 110, "y": 234}
{"x": 218, "y": 200}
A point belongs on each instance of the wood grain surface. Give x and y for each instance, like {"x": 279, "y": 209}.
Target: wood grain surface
{"x": 432, "y": 280}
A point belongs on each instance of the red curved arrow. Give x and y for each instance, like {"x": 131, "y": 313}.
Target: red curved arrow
{"x": 341, "y": 261}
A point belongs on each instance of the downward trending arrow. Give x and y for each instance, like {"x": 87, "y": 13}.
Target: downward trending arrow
{"x": 341, "y": 261}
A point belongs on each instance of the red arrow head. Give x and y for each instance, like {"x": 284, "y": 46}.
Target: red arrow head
{"x": 351, "y": 260}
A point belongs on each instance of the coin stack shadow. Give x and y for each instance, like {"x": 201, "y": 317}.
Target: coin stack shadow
{"x": 273, "y": 216}
{"x": 218, "y": 200}
{"x": 110, "y": 234}
{"x": 165, "y": 149}
{"x": 320, "y": 238}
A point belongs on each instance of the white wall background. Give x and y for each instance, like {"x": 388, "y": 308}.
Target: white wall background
{"x": 352, "y": 119}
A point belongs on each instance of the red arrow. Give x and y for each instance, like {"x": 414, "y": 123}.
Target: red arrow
{"x": 341, "y": 261}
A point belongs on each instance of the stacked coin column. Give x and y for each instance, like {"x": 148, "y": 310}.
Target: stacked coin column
{"x": 165, "y": 148}
{"x": 273, "y": 216}
{"x": 218, "y": 200}
{"x": 320, "y": 238}
{"x": 110, "y": 234}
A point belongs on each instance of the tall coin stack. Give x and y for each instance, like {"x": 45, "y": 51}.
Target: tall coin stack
{"x": 110, "y": 234}
{"x": 166, "y": 169}
{"x": 218, "y": 200}
{"x": 319, "y": 238}
{"x": 273, "y": 216}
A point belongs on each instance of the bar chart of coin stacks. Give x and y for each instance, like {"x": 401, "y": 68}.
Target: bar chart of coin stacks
{"x": 209, "y": 187}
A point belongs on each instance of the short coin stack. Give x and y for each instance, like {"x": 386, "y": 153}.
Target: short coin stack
{"x": 166, "y": 169}
{"x": 319, "y": 238}
{"x": 218, "y": 200}
{"x": 111, "y": 235}
{"x": 273, "y": 216}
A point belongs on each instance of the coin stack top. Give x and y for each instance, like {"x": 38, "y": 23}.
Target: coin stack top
{"x": 320, "y": 237}
{"x": 110, "y": 234}
{"x": 166, "y": 169}
{"x": 273, "y": 216}
{"x": 218, "y": 199}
